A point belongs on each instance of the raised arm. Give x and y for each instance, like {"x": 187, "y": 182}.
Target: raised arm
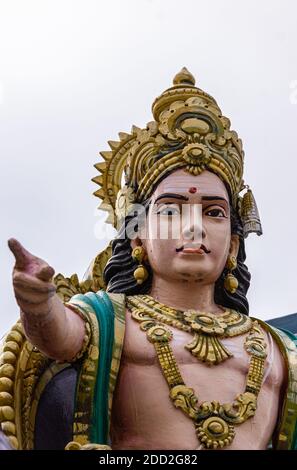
{"x": 54, "y": 329}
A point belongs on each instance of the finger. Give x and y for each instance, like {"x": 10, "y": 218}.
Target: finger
{"x": 26, "y": 300}
{"x": 26, "y": 281}
{"x": 22, "y": 256}
{"x": 45, "y": 273}
{"x": 32, "y": 296}
{"x": 26, "y": 296}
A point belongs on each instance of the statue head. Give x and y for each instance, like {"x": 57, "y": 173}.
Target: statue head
{"x": 216, "y": 233}
{"x": 187, "y": 231}
{"x": 188, "y": 150}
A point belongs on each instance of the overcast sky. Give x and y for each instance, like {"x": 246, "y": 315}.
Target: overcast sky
{"x": 75, "y": 73}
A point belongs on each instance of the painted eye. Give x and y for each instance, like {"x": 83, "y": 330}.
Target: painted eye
{"x": 169, "y": 211}
{"x": 215, "y": 213}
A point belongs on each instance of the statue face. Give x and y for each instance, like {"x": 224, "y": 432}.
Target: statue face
{"x": 197, "y": 247}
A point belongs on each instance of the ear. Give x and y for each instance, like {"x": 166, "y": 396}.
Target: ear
{"x": 136, "y": 242}
{"x": 234, "y": 245}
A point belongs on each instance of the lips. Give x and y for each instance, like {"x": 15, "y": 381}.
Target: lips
{"x": 199, "y": 251}
{"x": 190, "y": 248}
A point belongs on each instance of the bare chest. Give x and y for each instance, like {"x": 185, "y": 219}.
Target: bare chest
{"x": 139, "y": 351}
{"x": 142, "y": 392}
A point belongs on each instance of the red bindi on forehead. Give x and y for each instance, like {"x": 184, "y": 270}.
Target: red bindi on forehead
{"x": 193, "y": 190}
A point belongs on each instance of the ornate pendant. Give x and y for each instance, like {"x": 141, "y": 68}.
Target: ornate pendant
{"x": 206, "y": 328}
{"x": 214, "y": 432}
{"x": 211, "y": 425}
{"x": 214, "y": 422}
{"x": 205, "y": 344}
{"x": 208, "y": 349}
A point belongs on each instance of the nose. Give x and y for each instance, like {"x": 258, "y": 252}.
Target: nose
{"x": 192, "y": 223}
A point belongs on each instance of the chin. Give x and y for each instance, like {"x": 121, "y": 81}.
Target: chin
{"x": 193, "y": 270}
{"x": 192, "y": 273}
{"x": 192, "y": 265}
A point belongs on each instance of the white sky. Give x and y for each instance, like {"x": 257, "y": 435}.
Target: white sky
{"x": 74, "y": 73}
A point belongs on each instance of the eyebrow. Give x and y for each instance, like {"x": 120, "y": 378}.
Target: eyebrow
{"x": 171, "y": 195}
{"x": 212, "y": 198}
{"x": 185, "y": 198}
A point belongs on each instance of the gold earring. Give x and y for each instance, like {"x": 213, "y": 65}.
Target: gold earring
{"x": 140, "y": 273}
{"x": 230, "y": 282}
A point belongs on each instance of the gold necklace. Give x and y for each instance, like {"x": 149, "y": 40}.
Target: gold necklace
{"x": 206, "y": 327}
{"x": 214, "y": 422}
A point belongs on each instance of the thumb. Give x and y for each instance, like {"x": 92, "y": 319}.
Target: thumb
{"x": 45, "y": 273}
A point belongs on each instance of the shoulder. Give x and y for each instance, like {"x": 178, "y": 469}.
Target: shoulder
{"x": 94, "y": 306}
{"x": 283, "y": 347}
{"x": 89, "y": 301}
{"x": 286, "y": 343}
{"x": 276, "y": 361}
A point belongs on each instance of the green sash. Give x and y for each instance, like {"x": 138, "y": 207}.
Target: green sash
{"x": 99, "y": 368}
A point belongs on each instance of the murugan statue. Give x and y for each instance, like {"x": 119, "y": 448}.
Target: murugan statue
{"x": 154, "y": 348}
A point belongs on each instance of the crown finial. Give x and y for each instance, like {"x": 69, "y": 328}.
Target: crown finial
{"x": 184, "y": 77}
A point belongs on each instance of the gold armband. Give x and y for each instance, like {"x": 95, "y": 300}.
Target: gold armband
{"x": 87, "y": 335}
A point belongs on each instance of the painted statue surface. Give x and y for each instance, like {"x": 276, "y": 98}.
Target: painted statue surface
{"x": 155, "y": 346}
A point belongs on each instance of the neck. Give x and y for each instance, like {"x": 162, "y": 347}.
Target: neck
{"x": 184, "y": 296}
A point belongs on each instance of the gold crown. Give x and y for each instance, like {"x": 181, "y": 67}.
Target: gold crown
{"x": 188, "y": 131}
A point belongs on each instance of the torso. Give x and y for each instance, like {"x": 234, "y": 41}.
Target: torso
{"x": 143, "y": 415}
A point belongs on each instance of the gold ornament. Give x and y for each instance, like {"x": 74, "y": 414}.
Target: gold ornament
{"x": 207, "y": 328}
{"x": 73, "y": 445}
{"x": 140, "y": 273}
{"x": 250, "y": 215}
{"x": 214, "y": 422}
{"x": 197, "y": 157}
{"x": 188, "y": 131}
{"x": 231, "y": 263}
{"x": 230, "y": 281}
